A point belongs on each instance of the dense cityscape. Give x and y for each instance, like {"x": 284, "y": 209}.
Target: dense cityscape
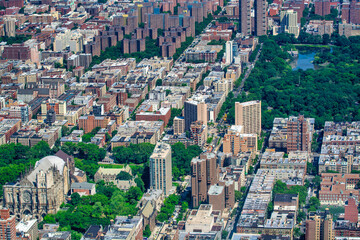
{"x": 179, "y": 120}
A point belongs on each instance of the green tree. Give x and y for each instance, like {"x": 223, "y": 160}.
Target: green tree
{"x": 140, "y": 184}
{"x": 316, "y": 181}
{"x": 301, "y": 216}
{"x": 181, "y": 157}
{"x": 76, "y": 235}
{"x": 41, "y": 149}
{"x": 64, "y": 131}
{"x": 314, "y": 203}
{"x": 175, "y": 112}
{"x": 75, "y": 199}
{"x": 159, "y": 82}
{"x": 297, "y": 232}
{"x": 310, "y": 168}
{"x": 224, "y": 234}
{"x": 49, "y": 218}
{"x": 134, "y": 193}
{"x": 124, "y": 176}
{"x": 137, "y": 154}
{"x": 147, "y": 231}
{"x": 238, "y": 195}
{"x": 168, "y": 208}
{"x": 97, "y": 210}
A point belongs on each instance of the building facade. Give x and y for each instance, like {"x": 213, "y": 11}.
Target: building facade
{"x": 40, "y": 191}
{"x": 7, "y": 225}
{"x": 248, "y": 114}
{"x": 319, "y": 226}
{"x": 204, "y": 173}
{"x": 160, "y": 168}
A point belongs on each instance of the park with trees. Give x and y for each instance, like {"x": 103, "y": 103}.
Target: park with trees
{"x": 328, "y": 93}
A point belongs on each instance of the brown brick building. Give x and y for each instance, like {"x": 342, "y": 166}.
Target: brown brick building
{"x": 88, "y": 123}
{"x": 109, "y": 102}
{"x": 17, "y": 52}
{"x": 163, "y": 114}
{"x": 7, "y": 225}
{"x": 204, "y": 173}
{"x": 298, "y": 136}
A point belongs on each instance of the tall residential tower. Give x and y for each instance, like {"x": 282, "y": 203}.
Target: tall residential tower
{"x": 245, "y": 17}
{"x": 160, "y": 168}
{"x": 261, "y": 23}
{"x": 248, "y": 114}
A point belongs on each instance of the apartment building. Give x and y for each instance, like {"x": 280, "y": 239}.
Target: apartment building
{"x": 160, "y": 168}
{"x": 248, "y": 114}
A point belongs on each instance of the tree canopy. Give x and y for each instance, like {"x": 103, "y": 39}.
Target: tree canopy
{"x": 124, "y": 176}
{"x": 86, "y": 156}
{"x": 17, "y": 158}
{"x": 181, "y": 158}
{"x": 280, "y": 187}
{"x": 98, "y": 209}
{"x": 329, "y": 93}
{"x": 135, "y": 153}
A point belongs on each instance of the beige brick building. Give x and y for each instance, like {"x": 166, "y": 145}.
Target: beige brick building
{"x": 160, "y": 168}
{"x": 248, "y": 114}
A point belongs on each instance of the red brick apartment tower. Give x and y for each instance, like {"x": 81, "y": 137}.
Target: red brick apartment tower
{"x": 355, "y": 12}
{"x": 204, "y": 174}
{"x": 297, "y": 134}
{"x": 322, "y": 7}
{"x": 7, "y": 225}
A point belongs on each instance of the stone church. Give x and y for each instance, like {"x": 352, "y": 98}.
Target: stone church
{"x": 42, "y": 190}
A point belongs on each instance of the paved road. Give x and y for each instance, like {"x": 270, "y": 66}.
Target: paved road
{"x": 247, "y": 73}
{"x": 232, "y": 223}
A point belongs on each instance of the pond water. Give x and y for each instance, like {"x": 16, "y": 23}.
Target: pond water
{"x": 303, "y": 61}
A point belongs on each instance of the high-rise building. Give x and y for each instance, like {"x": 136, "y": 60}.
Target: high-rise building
{"x": 289, "y": 23}
{"x": 50, "y": 116}
{"x": 261, "y": 21}
{"x": 179, "y": 125}
{"x": 160, "y": 168}
{"x": 298, "y": 135}
{"x": 204, "y": 174}
{"x": 9, "y": 27}
{"x": 350, "y": 11}
{"x": 229, "y": 52}
{"x": 245, "y": 17}
{"x": 319, "y": 226}
{"x": 7, "y": 225}
{"x": 195, "y": 111}
{"x": 322, "y": 7}
{"x": 355, "y": 12}
{"x": 248, "y": 114}
{"x": 198, "y": 130}
{"x": 190, "y": 112}
{"x": 235, "y": 141}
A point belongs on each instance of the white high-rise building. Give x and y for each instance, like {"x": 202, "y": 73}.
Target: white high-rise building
{"x": 289, "y": 22}
{"x": 161, "y": 168}
{"x": 229, "y": 52}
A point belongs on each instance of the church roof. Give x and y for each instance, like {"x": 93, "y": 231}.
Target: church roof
{"x": 45, "y": 164}
{"x": 114, "y": 171}
{"x": 62, "y": 155}
{"x": 148, "y": 209}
